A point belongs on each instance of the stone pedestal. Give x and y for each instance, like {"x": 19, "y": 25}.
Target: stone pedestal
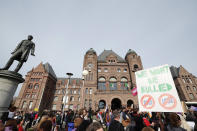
{"x": 9, "y": 81}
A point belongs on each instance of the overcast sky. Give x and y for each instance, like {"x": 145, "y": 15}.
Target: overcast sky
{"x": 160, "y": 31}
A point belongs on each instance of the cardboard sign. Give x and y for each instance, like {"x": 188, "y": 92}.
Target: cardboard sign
{"x": 156, "y": 90}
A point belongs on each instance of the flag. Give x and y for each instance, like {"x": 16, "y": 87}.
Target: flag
{"x": 100, "y": 117}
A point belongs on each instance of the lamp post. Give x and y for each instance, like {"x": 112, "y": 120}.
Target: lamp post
{"x": 84, "y": 73}
{"x": 65, "y": 99}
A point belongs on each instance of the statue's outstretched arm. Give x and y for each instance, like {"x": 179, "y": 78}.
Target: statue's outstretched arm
{"x": 33, "y": 49}
{"x": 18, "y": 46}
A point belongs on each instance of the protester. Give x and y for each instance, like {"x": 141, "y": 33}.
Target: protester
{"x": 20, "y": 125}
{"x": 175, "y": 123}
{"x": 115, "y": 124}
{"x": 11, "y": 125}
{"x": 45, "y": 126}
{"x": 148, "y": 129}
{"x": 125, "y": 119}
{"x": 95, "y": 126}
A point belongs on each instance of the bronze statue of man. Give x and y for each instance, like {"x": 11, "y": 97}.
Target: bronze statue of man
{"x": 21, "y": 53}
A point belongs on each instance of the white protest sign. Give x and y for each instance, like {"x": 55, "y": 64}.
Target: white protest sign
{"x": 156, "y": 90}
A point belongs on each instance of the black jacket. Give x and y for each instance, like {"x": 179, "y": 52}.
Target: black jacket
{"x": 116, "y": 126}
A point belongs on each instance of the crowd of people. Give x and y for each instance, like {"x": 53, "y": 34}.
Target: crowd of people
{"x": 124, "y": 119}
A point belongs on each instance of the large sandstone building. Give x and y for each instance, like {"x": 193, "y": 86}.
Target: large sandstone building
{"x": 109, "y": 81}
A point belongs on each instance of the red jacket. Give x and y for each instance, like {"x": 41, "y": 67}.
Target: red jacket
{"x": 146, "y": 122}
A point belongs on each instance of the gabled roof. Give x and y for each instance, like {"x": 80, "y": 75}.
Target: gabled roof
{"x": 174, "y": 71}
{"x": 105, "y": 53}
{"x": 49, "y": 69}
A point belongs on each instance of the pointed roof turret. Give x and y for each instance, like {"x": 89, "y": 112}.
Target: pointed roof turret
{"x": 49, "y": 69}
{"x": 91, "y": 50}
{"x": 175, "y": 71}
{"x": 131, "y": 51}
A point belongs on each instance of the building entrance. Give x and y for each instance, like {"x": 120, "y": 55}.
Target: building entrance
{"x": 130, "y": 103}
{"x": 116, "y": 104}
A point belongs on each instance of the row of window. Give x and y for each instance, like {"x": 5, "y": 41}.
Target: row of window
{"x": 37, "y": 73}
{"x": 71, "y": 98}
{"x": 111, "y": 61}
{"x": 113, "y": 85}
{"x": 191, "y": 96}
{"x": 36, "y": 86}
{"x": 106, "y": 70}
{"x": 70, "y": 91}
{"x": 187, "y": 80}
{"x": 35, "y": 79}
{"x": 25, "y": 105}
{"x": 56, "y": 98}
{"x": 71, "y": 106}
{"x": 135, "y": 67}
{"x": 32, "y": 96}
{"x": 88, "y": 92}
{"x": 188, "y": 88}
{"x": 112, "y": 79}
{"x": 73, "y": 86}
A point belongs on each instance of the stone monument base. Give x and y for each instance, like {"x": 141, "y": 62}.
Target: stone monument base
{"x": 9, "y": 81}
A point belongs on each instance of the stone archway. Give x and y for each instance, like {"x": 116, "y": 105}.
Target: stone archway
{"x": 102, "y": 104}
{"x": 130, "y": 103}
{"x": 116, "y": 104}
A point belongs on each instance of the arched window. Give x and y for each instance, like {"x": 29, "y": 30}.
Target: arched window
{"x": 24, "y": 104}
{"x": 124, "y": 83}
{"x": 135, "y": 67}
{"x": 55, "y": 98}
{"x": 86, "y": 91}
{"x": 113, "y": 83}
{"x": 30, "y": 104}
{"x": 130, "y": 103}
{"x": 102, "y": 83}
{"x": 102, "y": 104}
{"x": 30, "y": 86}
{"x": 188, "y": 88}
{"x": 191, "y": 96}
{"x": 183, "y": 80}
{"x": 86, "y": 103}
{"x": 90, "y": 103}
{"x": 90, "y": 91}
{"x": 190, "y": 80}
{"x": 36, "y": 86}
{"x": 72, "y": 98}
{"x": 194, "y": 88}
{"x": 187, "y": 80}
